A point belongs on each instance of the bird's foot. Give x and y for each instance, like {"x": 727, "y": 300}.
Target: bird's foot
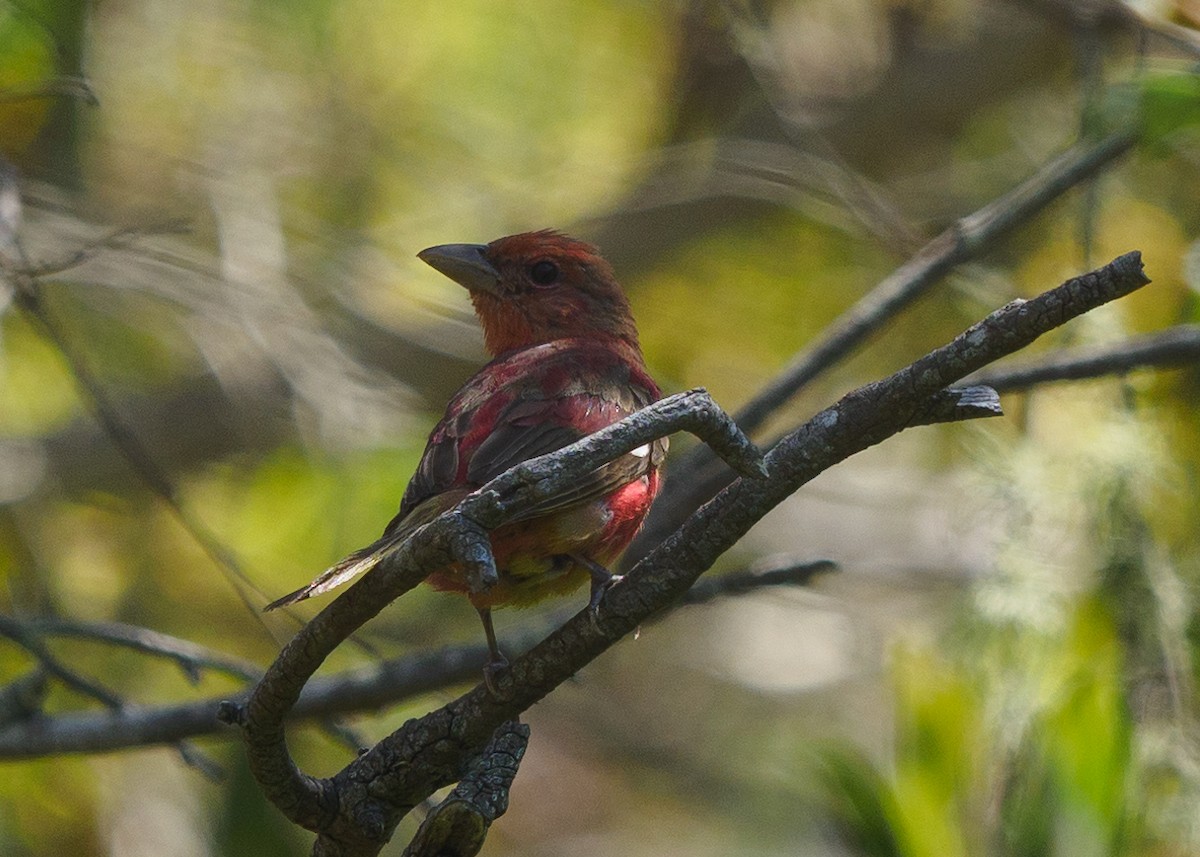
{"x": 602, "y": 581}
{"x": 491, "y": 672}
{"x": 599, "y": 590}
{"x": 497, "y": 663}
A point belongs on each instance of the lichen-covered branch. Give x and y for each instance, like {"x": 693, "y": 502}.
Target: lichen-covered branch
{"x": 355, "y": 811}
{"x": 457, "y": 826}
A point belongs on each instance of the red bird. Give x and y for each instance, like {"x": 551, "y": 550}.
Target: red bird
{"x": 567, "y": 363}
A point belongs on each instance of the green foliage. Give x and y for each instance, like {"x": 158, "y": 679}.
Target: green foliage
{"x": 1037, "y": 759}
{"x": 1056, "y": 713}
{"x": 37, "y": 390}
{"x": 1170, "y": 107}
{"x": 685, "y": 305}
{"x": 26, "y": 60}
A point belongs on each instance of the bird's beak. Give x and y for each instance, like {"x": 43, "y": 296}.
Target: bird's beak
{"x": 466, "y": 264}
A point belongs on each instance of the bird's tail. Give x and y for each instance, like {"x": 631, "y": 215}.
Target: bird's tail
{"x": 365, "y": 559}
{"x": 357, "y": 563}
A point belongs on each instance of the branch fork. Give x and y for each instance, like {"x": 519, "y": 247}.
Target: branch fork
{"x": 432, "y": 751}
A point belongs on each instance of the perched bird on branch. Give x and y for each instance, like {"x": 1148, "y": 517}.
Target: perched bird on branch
{"x": 567, "y": 363}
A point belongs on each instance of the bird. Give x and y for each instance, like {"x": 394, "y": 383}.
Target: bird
{"x": 566, "y": 362}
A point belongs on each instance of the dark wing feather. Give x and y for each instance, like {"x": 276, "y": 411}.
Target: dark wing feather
{"x": 532, "y": 427}
{"x": 510, "y": 444}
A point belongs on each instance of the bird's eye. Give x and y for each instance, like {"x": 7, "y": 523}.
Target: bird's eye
{"x": 544, "y": 272}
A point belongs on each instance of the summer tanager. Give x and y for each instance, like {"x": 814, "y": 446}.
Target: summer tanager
{"x": 567, "y": 363}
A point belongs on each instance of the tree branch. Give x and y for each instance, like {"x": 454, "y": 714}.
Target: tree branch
{"x": 1175, "y": 346}
{"x": 31, "y": 642}
{"x": 967, "y": 239}
{"x": 370, "y": 688}
{"x": 788, "y": 572}
{"x": 191, "y": 657}
{"x": 458, "y": 825}
{"x": 355, "y": 811}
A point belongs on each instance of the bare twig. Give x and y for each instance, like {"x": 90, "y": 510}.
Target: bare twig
{"x": 25, "y": 273}
{"x": 760, "y": 576}
{"x": 191, "y": 657}
{"x": 31, "y": 642}
{"x": 1176, "y": 346}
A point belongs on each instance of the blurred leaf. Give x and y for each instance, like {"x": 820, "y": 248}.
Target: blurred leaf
{"x": 1170, "y": 102}
{"x": 861, "y": 801}
{"x": 1087, "y": 739}
{"x": 37, "y": 391}
{"x": 26, "y": 66}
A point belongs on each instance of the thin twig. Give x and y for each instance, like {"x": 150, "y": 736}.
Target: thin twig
{"x": 1175, "y": 346}
{"x": 761, "y": 576}
{"x": 115, "y": 240}
{"x": 191, "y": 657}
{"x": 32, "y": 643}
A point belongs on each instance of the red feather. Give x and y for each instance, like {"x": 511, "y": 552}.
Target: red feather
{"x": 567, "y": 363}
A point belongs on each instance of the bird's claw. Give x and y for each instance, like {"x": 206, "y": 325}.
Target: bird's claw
{"x": 600, "y": 587}
{"x": 602, "y": 581}
{"x": 491, "y": 671}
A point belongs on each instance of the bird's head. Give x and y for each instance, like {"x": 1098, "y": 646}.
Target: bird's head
{"x": 537, "y": 287}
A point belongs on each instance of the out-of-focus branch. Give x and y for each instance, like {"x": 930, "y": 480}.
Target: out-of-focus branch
{"x": 355, "y": 811}
{"x": 761, "y": 576}
{"x": 191, "y": 657}
{"x": 1176, "y": 346}
{"x": 968, "y": 239}
{"x": 32, "y": 643}
{"x": 353, "y": 691}
{"x": 25, "y": 280}
{"x": 67, "y": 85}
{"x": 363, "y": 689}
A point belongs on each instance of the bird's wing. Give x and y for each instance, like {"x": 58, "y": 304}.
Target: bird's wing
{"x": 526, "y": 404}
{"x": 514, "y": 409}
{"x": 531, "y": 427}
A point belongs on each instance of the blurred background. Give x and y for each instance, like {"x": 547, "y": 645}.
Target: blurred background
{"x": 1004, "y": 662}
